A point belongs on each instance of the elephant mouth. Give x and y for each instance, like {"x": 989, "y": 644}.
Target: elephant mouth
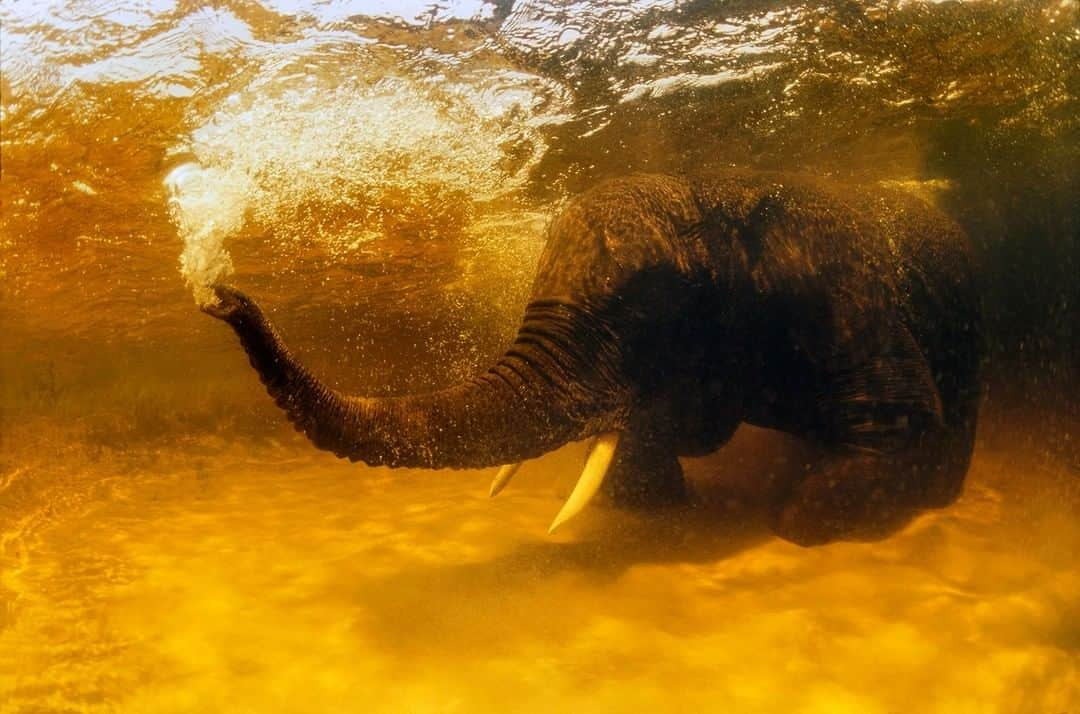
{"x": 601, "y": 455}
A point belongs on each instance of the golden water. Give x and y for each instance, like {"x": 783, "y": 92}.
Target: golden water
{"x": 381, "y": 184}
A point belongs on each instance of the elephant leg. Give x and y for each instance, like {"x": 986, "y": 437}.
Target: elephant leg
{"x": 858, "y": 495}
{"x": 645, "y": 473}
{"x": 954, "y": 444}
{"x": 895, "y": 445}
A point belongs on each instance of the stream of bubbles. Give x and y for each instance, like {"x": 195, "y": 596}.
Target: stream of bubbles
{"x": 379, "y": 176}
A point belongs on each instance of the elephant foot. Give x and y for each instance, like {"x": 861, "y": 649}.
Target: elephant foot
{"x": 646, "y": 475}
{"x": 864, "y": 497}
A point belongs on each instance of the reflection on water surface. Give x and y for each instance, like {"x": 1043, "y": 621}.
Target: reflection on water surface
{"x": 380, "y": 175}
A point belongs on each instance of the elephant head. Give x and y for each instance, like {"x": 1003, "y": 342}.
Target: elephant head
{"x": 573, "y": 371}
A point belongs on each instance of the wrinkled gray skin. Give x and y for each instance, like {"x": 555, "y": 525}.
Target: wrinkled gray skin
{"x": 674, "y": 309}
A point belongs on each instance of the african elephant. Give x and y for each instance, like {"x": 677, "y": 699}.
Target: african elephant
{"x": 668, "y": 310}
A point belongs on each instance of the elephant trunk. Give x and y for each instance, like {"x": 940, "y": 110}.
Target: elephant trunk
{"x": 557, "y": 383}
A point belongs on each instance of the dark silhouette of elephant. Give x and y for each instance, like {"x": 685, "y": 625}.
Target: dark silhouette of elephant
{"x": 665, "y": 312}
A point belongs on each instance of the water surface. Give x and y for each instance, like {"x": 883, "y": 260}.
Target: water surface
{"x": 379, "y": 175}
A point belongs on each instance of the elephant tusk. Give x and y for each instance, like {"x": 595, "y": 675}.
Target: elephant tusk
{"x": 502, "y": 478}
{"x": 590, "y": 446}
{"x": 592, "y": 476}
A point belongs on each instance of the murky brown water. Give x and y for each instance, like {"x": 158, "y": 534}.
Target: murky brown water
{"x": 380, "y": 179}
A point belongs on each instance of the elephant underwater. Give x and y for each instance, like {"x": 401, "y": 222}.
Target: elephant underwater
{"x": 668, "y": 310}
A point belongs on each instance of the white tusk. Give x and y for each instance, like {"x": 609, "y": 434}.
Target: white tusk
{"x": 502, "y": 478}
{"x": 592, "y": 476}
{"x": 590, "y": 446}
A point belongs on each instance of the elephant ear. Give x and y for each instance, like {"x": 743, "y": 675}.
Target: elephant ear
{"x": 833, "y": 278}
